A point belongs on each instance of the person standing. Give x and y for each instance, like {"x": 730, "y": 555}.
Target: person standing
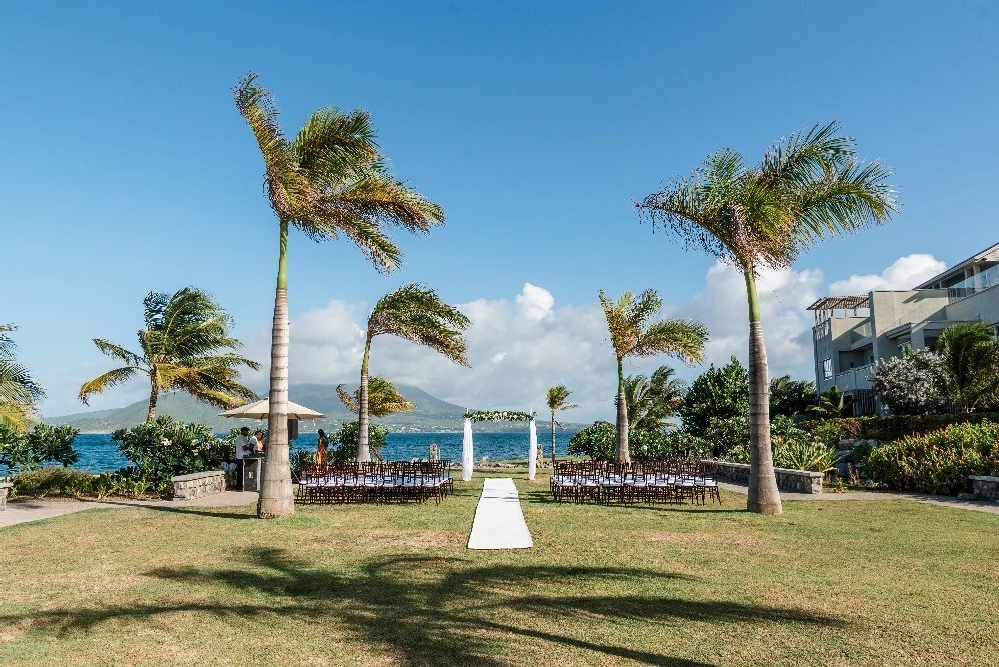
{"x": 321, "y": 448}
{"x": 242, "y": 449}
{"x": 257, "y": 442}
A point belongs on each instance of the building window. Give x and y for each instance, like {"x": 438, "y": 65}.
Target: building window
{"x": 827, "y": 369}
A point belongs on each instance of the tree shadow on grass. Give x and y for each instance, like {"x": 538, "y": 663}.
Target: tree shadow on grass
{"x": 429, "y": 611}
{"x": 196, "y": 510}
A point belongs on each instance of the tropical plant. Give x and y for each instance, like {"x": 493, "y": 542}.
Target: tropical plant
{"x": 596, "y": 441}
{"x": 557, "y": 399}
{"x": 833, "y": 404}
{"x": 796, "y": 454}
{"x": 635, "y": 333}
{"x": 329, "y": 181}
{"x": 19, "y": 392}
{"x": 717, "y": 393}
{"x": 791, "y": 397}
{"x": 343, "y": 443}
{"x": 383, "y": 398}
{"x": 912, "y": 384}
{"x": 29, "y": 450}
{"x": 806, "y": 188}
{"x": 971, "y": 355}
{"x": 939, "y": 461}
{"x": 653, "y": 400}
{"x": 414, "y": 313}
{"x": 162, "y": 448}
{"x": 182, "y": 348}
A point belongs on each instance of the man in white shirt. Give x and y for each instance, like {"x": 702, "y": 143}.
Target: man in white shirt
{"x": 242, "y": 449}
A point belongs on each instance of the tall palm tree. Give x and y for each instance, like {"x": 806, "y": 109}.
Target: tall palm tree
{"x": 19, "y": 392}
{"x": 181, "y": 349}
{"x": 806, "y": 188}
{"x": 557, "y": 402}
{"x": 329, "y": 181}
{"x": 414, "y": 313}
{"x": 634, "y": 333}
{"x": 971, "y": 354}
{"x": 383, "y": 400}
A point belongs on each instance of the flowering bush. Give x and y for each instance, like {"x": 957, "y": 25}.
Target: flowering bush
{"x": 499, "y": 416}
{"x": 43, "y": 444}
{"x": 598, "y": 441}
{"x": 164, "y": 448}
{"x": 913, "y": 384}
{"x": 938, "y": 462}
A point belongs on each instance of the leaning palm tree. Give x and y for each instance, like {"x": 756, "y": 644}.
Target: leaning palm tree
{"x": 181, "y": 349}
{"x": 634, "y": 333}
{"x": 329, "y": 181}
{"x": 557, "y": 402}
{"x": 414, "y": 313}
{"x": 383, "y": 400}
{"x": 19, "y": 392}
{"x": 806, "y": 188}
{"x": 651, "y": 401}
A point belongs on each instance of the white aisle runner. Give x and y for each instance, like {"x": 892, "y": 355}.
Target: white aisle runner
{"x": 499, "y": 522}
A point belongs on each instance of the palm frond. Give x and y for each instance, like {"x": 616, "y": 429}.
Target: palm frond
{"x": 118, "y": 352}
{"x": 417, "y": 314}
{"x": 105, "y": 381}
{"x": 16, "y": 415}
{"x": 383, "y": 398}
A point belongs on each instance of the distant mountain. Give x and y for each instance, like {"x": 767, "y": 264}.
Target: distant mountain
{"x": 431, "y": 414}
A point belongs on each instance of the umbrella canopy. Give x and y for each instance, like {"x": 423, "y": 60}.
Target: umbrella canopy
{"x": 261, "y": 409}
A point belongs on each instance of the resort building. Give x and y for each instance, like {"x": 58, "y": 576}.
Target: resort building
{"x": 852, "y": 332}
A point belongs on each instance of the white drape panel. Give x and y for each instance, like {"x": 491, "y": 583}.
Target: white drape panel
{"x": 467, "y": 454}
{"x": 532, "y": 453}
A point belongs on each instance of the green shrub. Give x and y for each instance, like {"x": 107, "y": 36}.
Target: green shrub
{"x": 895, "y": 427}
{"x": 301, "y": 459}
{"x": 344, "y": 442}
{"x": 807, "y": 455}
{"x": 52, "y": 481}
{"x": 938, "y": 462}
{"x": 828, "y": 431}
{"x": 164, "y": 448}
{"x": 598, "y": 441}
{"x": 21, "y": 452}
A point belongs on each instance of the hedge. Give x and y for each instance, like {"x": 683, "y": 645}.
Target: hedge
{"x": 896, "y": 427}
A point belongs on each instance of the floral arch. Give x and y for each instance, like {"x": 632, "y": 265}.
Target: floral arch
{"x": 467, "y": 446}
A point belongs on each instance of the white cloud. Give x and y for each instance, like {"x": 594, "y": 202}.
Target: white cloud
{"x": 535, "y": 302}
{"x": 903, "y": 274}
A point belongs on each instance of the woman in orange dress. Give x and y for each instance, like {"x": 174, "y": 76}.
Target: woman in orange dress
{"x": 321, "y": 448}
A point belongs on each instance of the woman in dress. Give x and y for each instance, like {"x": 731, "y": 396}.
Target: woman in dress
{"x": 321, "y": 448}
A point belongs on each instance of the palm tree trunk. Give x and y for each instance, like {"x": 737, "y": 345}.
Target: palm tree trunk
{"x": 154, "y": 394}
{"x": 763, "y": 497}
{"x": 553, "y": 439}
{"x": 276, "y": 497}
{"x": 363, "y": 451}
{"x": 622, "y": 417}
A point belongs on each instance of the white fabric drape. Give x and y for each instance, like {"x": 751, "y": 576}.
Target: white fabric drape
{"x": 532, "y": 453}
{"x": 467, "y": 455}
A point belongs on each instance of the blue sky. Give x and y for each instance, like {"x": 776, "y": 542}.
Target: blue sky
{"x": 127, "y": 169}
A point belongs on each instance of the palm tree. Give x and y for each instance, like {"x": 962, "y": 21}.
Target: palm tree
{"x": 971, "y": 354}
{"x": 651, "y": 401}
{"x": 329, "y": 181}
{"x": 633, "y": 333}
{"x": 805, "y": 189}
{"x": 414, "y": 313}
{"x": 557, "y": 397}
{"x": 833, "y": 403}
{"x": 180, "y": 350}
{"x": 19, "y": 392}
{"x": 383, "y": 400}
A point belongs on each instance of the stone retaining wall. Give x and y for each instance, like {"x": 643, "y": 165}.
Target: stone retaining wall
{"x": 5, "y": 488}
{"x": 985, "y": 487}
{"x": 198, "y": 484}
{"x": 798, "y": 481}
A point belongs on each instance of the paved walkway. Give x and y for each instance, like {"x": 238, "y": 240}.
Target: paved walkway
{"x": 35, "y": 510}
{"x": 499, "y": 522}
{"x": 945, "y": 501}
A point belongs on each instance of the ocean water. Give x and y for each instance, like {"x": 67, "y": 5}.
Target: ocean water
{"x": 99, "y": 454}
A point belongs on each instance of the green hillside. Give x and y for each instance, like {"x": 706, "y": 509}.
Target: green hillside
{"x": 432, "y": 414}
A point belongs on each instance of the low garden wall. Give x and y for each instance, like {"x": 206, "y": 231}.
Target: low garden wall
{"x": 798, "y": 481}
{"x": 985, "y": 487}
{"x": 5, "y": 488}
{"x": 198, "y": 484}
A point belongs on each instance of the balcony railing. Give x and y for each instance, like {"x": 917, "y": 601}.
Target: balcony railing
{"x": 975, "y": 284}
{"x": 854, "y": 378}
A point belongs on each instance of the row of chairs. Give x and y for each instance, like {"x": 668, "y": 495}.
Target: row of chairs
{"x": 665, "y": 481}
{"x": 386, "y": 481}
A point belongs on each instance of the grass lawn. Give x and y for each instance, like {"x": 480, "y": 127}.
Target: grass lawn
{"x": 827, "y": 583}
